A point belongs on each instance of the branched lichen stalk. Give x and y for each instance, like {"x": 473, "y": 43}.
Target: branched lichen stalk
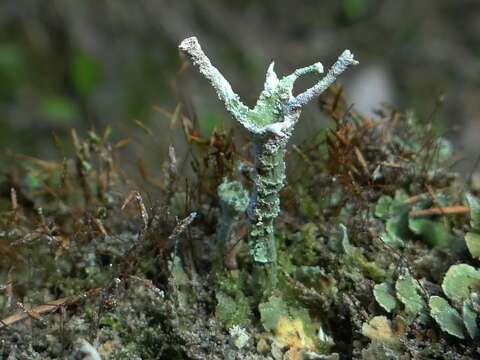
{"x": 270, "y": 123}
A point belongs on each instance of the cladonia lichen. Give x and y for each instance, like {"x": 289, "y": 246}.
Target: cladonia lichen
{"x": 233, "y": 202}
{"x": 270, "y": 124}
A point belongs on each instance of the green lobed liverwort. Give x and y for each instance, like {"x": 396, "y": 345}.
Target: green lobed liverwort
{"x": 270, "y": 124}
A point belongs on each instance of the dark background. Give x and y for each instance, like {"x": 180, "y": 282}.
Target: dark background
{"x": 80, "y": 64}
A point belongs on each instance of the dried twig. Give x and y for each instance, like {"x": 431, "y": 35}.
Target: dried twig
{"x": 45, "y": 308}
{"x": 456, "y": 209}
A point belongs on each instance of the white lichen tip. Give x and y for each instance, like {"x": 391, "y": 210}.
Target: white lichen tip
{"x": 343, "y": 62}
{"x": 319, "y": 67}
{"x": 276, "y": 96}
{"x": 189, "y": 43}
{"x": 191, "y": 47}
{"x": 348, "y": 57}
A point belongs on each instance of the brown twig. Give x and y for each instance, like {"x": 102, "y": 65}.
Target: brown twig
{"x": 448, "y": 210}
{"x": 361, "y": 160}
{"x": 44, "y": 308}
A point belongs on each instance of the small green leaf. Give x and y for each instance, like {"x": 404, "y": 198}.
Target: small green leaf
{"x": 474, "y": 205}
{"x": 384, "y": 297}
{"x": 407, "y": 292}
{"x": 396, "y": 229}
{"x": 473, "y": 244}
{"x": 459, "y": 281}
{"x": 382, "y": 209}
{"x": 233, "y": 197}
{"x": 387, "y": 207}
{"x": 32, "y": 181}
{"x": 432, "y": 232}
{"x": 232, "y": 310}
{"x": 470, "y": 320}
{"x": 272, "y": 311}
{"x": 444, "y": 149}
{"x": 446, "y": 317}
{"x": 347, "y": 246}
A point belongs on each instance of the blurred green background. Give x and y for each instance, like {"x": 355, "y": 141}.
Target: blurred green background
{"x": 76, "y": 64}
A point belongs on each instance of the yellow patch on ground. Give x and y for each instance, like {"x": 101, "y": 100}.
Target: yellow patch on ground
{"x": 290, "y": 334}
{"x": 379, "y": 328}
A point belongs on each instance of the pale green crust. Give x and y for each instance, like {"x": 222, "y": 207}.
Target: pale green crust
{"x": 233, "y": 202}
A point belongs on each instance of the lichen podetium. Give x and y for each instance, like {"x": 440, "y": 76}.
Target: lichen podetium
{"x": 270, "y": 124}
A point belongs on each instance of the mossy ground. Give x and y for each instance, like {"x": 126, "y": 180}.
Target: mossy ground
{"x": 131, "y": 265}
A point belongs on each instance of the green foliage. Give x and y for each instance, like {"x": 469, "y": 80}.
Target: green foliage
{"x": 178, "y": 273}
{"x": 432, "y": 232}
{"x": 395, "y": 212}
{"x": 444, "y": 150}
{"x": 384, "y": 296}
{"x": 346, "y": 245}
{"x": 459, "y": 281}
{"x": 472, "y": 239}
{"x": 395, "y": 230}
{"x": 470, "y": 320}
{"x": 399, "y": 227}
{"x": 233, "y": 306}
{"x": 458, "y": 284}
{"x": 354, "y": 258}
{"x": 446, "y": 316}
{"x": 473, "y": 244}
{"x": 327, "y": 261}
{"x": 233, "y": 198}
{"x": 387, "y": 206}
{"x": 382, "y": 209}
{"x": 305, "y": 246}
{"x": 408, "y": 292}
{"x": 308, "y": 205}
{"x": 232, "y": 310}
{"x": 272, "y": 311}
{"x": 474, "y": 205}
{"x": 233, "y": 202}
{"x": 239, "y": 335}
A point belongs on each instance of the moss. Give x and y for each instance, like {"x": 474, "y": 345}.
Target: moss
{"x": 305, "y": 245}
{"x": 233, "y": 306}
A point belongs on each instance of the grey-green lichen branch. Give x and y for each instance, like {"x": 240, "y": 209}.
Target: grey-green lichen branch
{"x": 270, "y": 123}
{"x": 232, "y": 102}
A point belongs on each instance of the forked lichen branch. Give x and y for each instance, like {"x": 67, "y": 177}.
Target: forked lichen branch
{"x": 270, "y": 123}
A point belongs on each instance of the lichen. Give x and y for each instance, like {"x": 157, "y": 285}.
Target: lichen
{"x": 459, "y": 281}
{"x": 270, "y": 123}
{"x": 233, "y": 202}
{"x": 408, "y": 292}
{"x": 446, "y": 316}
{"x": 385, "y": 298}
